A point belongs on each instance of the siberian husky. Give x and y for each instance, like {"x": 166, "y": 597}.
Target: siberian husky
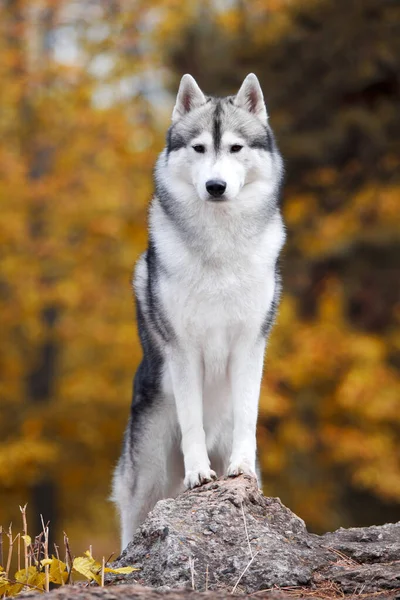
{"x": 207, "y": 290}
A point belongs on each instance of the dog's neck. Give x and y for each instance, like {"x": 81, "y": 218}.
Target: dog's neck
{"x": 218, "y": 236}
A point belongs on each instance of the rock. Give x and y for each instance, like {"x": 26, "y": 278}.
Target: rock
{"x": 368, "y": 558}
{"x": 227, "y": 536}
{"x": 366, "y": 578}
{"x": 367, "y": 544}
{"x": 138, "y": 592}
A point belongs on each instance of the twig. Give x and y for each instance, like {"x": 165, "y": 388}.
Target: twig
{"x": 110, "y": 557}
{"x": 252, "y": 556}
{"x": 46, "y": 554}
{"x": 362, "y": 587}
{"x": 56, "y": 551}
{"x": 25, "y": 532}
{"x": 10, "y": 549}
{"x": 102, "y": 572}
{"x": 343, "y": 556}
{"x": 191, "y": 567}
{"x": 19, "y": 552}
{"x": 243, "y": 572}
{"x": 328, "y": 590}
{"x": 68, "y": 557}
{"x": 247, "y": 533}
{"x": 35, "y": 550}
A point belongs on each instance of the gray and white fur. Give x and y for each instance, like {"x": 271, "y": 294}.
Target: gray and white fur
{"x": 207, "y": 290}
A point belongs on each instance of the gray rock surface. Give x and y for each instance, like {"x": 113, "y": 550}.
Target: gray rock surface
{"x": 227, "y": 536}
{"x": 138, "y": 592}
{"x": 367, "y": 544}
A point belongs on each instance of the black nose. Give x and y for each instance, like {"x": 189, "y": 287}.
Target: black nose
{"x": 215, "y": 187}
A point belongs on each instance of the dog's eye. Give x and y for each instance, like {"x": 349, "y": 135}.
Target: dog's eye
{"x": 236, "y": 148}
{"x": 199, "y": 148}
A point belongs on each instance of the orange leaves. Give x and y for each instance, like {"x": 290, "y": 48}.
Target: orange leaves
{"x": 370, "y": 214}
{"x": 23, "y": 460}
{"x": 333, "y": 402}
{"x": 299, "y": 209}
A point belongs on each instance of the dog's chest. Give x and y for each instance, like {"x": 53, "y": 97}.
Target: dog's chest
{"x": 211, "y": 305}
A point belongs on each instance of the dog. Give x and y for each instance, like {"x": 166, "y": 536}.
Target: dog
{"x": 207, "y": 290}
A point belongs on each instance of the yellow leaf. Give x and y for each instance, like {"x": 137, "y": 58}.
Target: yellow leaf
{"x": 27, "y": 539}
{"x": 30, "y": 576}
{"x": 121, "y": 570}
{"x": 46, "y": 561}
{"x": 87, "y": 567}
{"x": 13, "y": 589}
{"x": 3, "y": 588}
{"x": 23, "y": 575}
{"x": 37, "y": 579}
{"x": 58, "y": 571}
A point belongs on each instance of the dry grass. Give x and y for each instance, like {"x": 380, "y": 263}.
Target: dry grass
{"x": 41, "y": 567}
{"x": 327, "y": 590}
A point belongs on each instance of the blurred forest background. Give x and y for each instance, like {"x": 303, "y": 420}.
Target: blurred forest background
{"x": 86, "y": 93}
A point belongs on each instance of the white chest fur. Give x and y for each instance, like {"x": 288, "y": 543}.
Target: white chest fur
{"x": 216, "y": 296}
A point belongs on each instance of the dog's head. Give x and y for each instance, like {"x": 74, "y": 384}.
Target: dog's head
{"x": 223, "y": 148}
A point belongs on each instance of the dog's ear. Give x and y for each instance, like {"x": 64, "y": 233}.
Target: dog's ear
{"x": 189, "y": 97}
{"x": 250, "y": 97}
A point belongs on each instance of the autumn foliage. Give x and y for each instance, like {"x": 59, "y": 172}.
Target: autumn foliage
{"x": 38, "y": 568}
{"x": 85, "y": 102}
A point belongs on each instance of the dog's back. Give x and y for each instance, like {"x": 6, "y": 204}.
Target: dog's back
{"x": 206, "y": 293}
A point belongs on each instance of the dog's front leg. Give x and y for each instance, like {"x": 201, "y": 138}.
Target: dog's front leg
{"x": 187, "y": 383}
{"x": 245, "y": 375}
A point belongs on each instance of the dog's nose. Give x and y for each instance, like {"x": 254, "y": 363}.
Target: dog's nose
{"x": 215, "y": 187}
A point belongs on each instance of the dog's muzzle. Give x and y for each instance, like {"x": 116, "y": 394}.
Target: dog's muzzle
{"x": 216, "y": 188}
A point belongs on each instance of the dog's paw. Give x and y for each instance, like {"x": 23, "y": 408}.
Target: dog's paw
{"x": 240, "y": 468}
{"x": 198, "y": 477}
